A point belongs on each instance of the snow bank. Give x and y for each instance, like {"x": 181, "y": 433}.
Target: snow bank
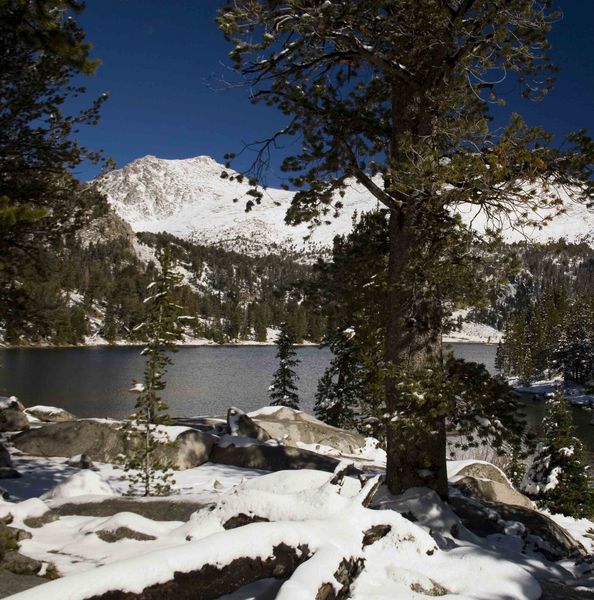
{"x": 328, "y": 520}
{"x": 84, "y": 483}
{"x": 293, "y": 482}
{"x": 133, "y": 522}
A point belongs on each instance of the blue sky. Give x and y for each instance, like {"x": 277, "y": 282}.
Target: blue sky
{"x": 163, "y": 61}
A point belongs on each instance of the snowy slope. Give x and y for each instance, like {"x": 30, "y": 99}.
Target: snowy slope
{"x": 189, "y": 199}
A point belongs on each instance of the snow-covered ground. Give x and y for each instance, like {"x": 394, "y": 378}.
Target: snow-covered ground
{"x": 432, "y": 554}
{"x": 475, "y": 333}
{"x": 470, "y": 331}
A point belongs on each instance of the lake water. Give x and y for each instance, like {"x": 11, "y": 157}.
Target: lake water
{"x": 203, "y": 380}
{"x": 206, "y": 380}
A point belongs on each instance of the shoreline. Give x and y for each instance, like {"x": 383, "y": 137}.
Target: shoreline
{"x": 209, "y": 343}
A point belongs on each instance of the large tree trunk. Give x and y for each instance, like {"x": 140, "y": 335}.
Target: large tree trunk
{"x": 415, "y": 457}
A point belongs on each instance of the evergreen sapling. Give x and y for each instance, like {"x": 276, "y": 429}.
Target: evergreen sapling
{"x": 148, "y": 472}
{"x": 283, "y": 389}
{"x": 339, "y": 390}
{"x": 558, "y": 479}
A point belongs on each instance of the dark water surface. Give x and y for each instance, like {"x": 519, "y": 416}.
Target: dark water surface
{"x": 206, "y": 380}
{"x": 203, "y": 380}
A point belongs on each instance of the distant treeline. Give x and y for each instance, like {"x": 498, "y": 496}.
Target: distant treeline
{"x": 94, "y": 285}
{"x": 98, "y": 288}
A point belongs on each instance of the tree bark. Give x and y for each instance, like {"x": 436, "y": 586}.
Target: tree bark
{"x": 416, "y": 458}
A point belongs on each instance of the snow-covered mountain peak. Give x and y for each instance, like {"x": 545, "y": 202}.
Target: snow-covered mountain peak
{"x": 189, "y": 198}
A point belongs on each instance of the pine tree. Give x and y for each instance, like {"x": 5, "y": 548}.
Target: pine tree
{"x": 260, "y": 330}
{"x": 43, "y": 54}
{"x": 340, "y": 390}
{"x": 574, "y": 353}
{"x": 515, "y": 469}
{"x": 558, "y": 478}
{"x": 397, "y": 95}
{"x": 283, "y": 389}
{"x": 148, "y": 473}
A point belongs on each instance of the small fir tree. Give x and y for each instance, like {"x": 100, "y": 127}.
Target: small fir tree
{"x": 148, "y": 473}
{"x": 283, "y": 389}
{"x": 339, "y": 388}
{"x": 558, "y": 479}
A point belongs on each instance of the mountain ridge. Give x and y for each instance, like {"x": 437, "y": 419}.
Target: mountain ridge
{"x": 189, "y": 198}
{"x": 199, "y": 200}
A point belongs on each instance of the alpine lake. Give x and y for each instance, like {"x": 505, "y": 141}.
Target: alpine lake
{"x": 203, "y": 380}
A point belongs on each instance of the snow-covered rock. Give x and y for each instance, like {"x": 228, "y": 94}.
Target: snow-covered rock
{"x": 11, "y": 402}
{"x": 483, "y": 481}
{"x": 49, "y": 414}
{"x": 100, "y": 440}
{"x": 311, "y": 529}
{"x": 30, "y": 508}
{"x": 242, "y": 425}
{"x": 104, "y": 441}
{"x": 492, "y": 491}
{"x": 295, "y": 427}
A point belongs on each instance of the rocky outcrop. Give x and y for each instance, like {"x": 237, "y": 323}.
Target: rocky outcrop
{"x": 493, "y": 491}
{"x": 105, "y": 441}
{"x": 12, "y": 417}
{"x": 157, "y": 510}
{"x": 19, "y": 564}
{"x": 242, "y": 425}
{"x": 7, "y": 470}
{"x": 484, "y": 481}
{"x": 294, "y": 426}
{"x": 11, "y": 402}
{"x": 50, "y": 414}
{"x": 13, "y": 420}
{"x": 537, "y": 530}
{"x": 482, "y": 470}
{"x": 271, "y": 458}
{"x": 123, "y": 533}
{"x": 191, "y": 449}
{"x": 100, "y": 440}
